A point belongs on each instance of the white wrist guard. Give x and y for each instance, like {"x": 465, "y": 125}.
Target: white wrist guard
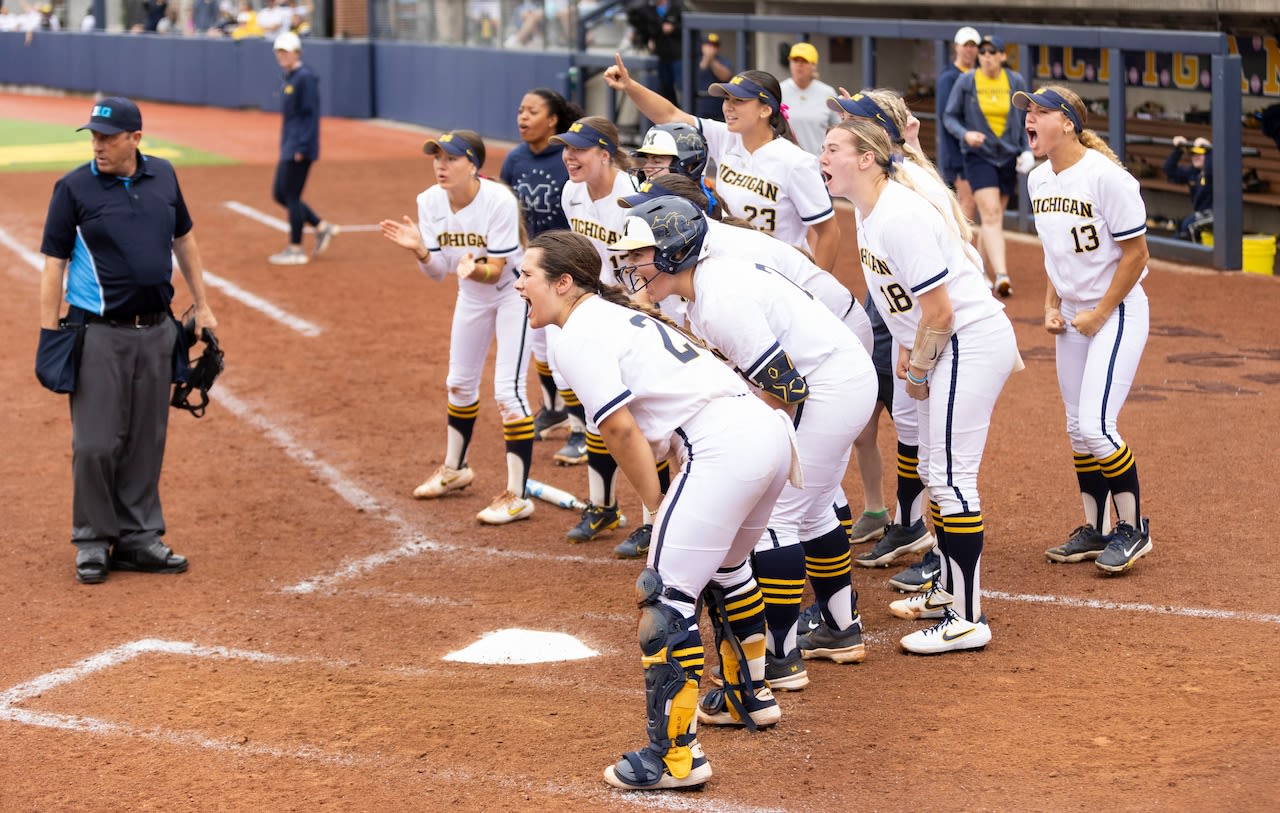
{"x": 930, "y": 342}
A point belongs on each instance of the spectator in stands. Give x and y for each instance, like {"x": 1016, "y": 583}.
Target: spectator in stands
{"x": 950, "y": 158}
{"x": 275, "y": 18}
{"x": 204, "y": 15}
{"x": 806, "y": 99}
{"x": 993, "y": 138}
{"x": 246, "y": 22}
{"x": 8, "y": 22}
{"x": 661, "y": 34}
{"x": 1198, "y": 176}
{"x": 712, "y": 68}
{"x": 153, "y": 12}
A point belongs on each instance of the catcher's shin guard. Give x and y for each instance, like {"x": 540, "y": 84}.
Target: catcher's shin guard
{"x": 672, "y": 659}
{"x": 744, "y": 700}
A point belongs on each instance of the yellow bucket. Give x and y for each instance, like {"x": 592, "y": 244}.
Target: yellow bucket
{"x": 1258, "y": 255}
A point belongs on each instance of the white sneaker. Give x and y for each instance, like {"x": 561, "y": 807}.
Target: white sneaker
{"x": 292, "y": 255}
{"x": 931, "y": 604}
{"x": 324, "y": 237}
{"x": 443, "y": 481}
{"x": 951, "y": 634}
{"x": 506, "y": 507}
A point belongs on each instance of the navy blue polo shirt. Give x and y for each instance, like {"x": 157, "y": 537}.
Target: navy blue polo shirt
{"x": 118, "y": 234}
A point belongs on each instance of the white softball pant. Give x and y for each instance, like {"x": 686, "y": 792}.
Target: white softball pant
{"x": 734, "y": 457}
{"x": 1095, "y": 373}
{"x": 955, "y": 418}
{"x": 475, "y": 324}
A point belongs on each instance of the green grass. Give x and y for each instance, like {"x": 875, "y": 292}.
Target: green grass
{"x": 27, "y": 146}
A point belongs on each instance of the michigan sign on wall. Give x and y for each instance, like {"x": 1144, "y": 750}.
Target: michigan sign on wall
{"x": 1259, "y": 69}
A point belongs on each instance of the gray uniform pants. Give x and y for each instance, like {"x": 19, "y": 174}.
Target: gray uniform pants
{"x": 119, "y": 420}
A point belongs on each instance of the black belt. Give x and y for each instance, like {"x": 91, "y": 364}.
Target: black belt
{"x": 141, "y": 320}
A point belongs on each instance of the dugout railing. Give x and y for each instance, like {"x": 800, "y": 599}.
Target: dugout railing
{"x": 1228, "y": 204}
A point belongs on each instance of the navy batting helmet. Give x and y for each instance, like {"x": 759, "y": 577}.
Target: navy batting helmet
{"x": 682, "y": 142}
{"x": 672, "y": 225}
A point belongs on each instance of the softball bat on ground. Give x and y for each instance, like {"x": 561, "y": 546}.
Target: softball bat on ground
{"x": 554, "y": 495}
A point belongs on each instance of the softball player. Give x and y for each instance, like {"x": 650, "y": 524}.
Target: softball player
{"x": 956, "y": 349}
{"x": 670, "y": 148}
{"x": 597, "y": 177}
{"x": 779, "y": 336}
{"x": 471, "y": 226}
{"x": 535, "y": 171}
{"x": 795, "y": 265}
{"x": 1092, "y": 221}
{"x": 908, "y": 532}
{"x": 655, "y": 392}
{"x": 762, "y": 176}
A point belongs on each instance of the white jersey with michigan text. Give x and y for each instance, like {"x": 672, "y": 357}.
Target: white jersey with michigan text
{"x": 778, "y": 188}
{"x": 906, "y": 249}
{"x": 600, "y": 221}
{"x": 488, "y": 226}
{"x": 1082, "y": 215}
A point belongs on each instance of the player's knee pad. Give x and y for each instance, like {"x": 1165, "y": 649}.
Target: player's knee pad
{"x": 672, "y": 659}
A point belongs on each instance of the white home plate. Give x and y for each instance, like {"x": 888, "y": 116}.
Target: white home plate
{"x": 523, "y": 646}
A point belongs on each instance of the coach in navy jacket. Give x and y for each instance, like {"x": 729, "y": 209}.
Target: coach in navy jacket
{"x": 299, "y": 146}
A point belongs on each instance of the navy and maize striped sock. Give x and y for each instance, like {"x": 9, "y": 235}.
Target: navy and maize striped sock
{"x": 828, "y": 563}
{"x": 602, "y": 471}
{"x": 461, "y": 423}
{"x": 1094, "y": 490}
{"x": 1121, "y": 471}
{"x": 780, "y": 573}
{"x": 964, "y": 534}
{"x": 909, "y": 484}
{"x": 518, "y": 435}
{"x": 546, "y": 383}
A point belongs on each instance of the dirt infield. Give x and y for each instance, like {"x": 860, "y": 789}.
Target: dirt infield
{"x": 298, "y": 664}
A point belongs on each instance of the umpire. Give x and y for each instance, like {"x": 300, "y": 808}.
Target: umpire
{"x": 116, "y": 223}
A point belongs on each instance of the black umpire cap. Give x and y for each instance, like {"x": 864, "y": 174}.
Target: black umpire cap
{"x": 114, "y": 114}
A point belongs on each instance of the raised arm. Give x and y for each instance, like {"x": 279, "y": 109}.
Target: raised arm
{"x": 652, "y": 105}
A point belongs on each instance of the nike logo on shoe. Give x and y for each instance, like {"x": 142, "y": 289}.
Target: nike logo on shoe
{"x": 512, "y": 510}
{"x": 948, "y": 637}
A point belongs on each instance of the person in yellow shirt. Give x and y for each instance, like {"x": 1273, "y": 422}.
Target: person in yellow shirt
{"x": 993, "y": 139}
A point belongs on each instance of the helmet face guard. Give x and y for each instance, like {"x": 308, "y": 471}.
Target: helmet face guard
{"x": 673, "y": 226}
{"x": 683, "y": 142}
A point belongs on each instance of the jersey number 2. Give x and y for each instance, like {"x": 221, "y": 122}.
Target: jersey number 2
{"x": 685, "y": 354}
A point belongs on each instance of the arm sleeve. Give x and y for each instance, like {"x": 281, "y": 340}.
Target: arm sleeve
{"x": 60, "y": 224}
{"x": 1125, "y": 212}
{"x": 953, "y": 118}
{"x": 309, "y": 112}
{"x": 182, "y": 217}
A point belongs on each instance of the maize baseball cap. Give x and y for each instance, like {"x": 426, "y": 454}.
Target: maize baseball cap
{"x": 1049, "y": 100}
{"x": 1201, "y": 146}
{"x": 711, "y": 39}
{"x": 288, "y": 41}
{"x": 453, "y": 145}
{"x": 114, "y": 114}
{"x": 968, "y": 35}
{"x": 805, "y": 51}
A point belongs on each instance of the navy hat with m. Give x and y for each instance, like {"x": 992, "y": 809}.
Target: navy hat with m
{"x": 114, "y": 114}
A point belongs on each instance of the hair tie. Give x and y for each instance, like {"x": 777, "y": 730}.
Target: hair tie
{"x": 785, "y": 112}
{"x": 711, "y": 196}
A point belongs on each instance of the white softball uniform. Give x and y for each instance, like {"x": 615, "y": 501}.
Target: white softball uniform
{"x": 778, "y": 188}
{"x": 734, "y": 452}
{"x": 600, "y": 221}
{"x": 489, "y": 226}
{"x": 734, "y": 241}
{"x": 749, "y": 312}
{"x": 907, "y": 249}
{"x": 1082, "y": 215}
